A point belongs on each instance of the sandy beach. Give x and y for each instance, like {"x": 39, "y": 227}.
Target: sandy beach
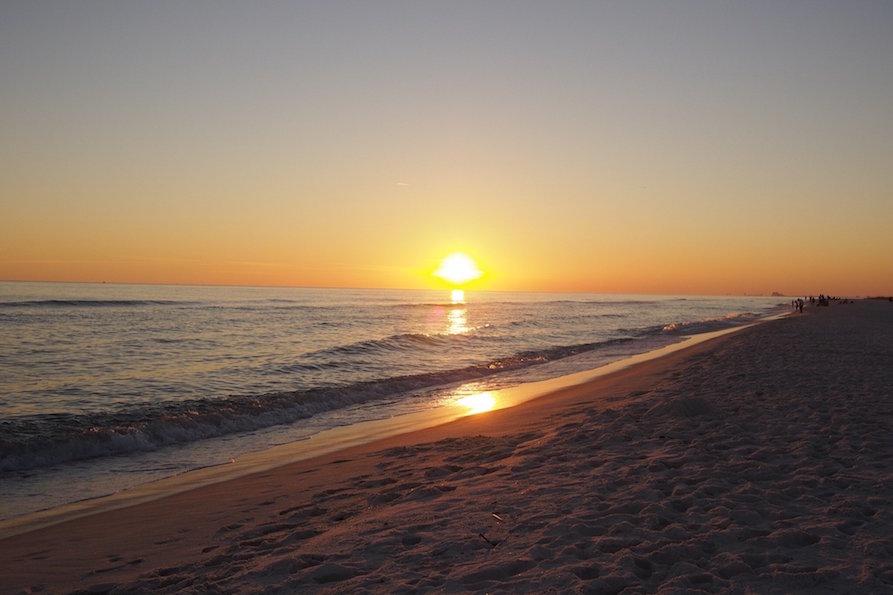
{"x": 761, "y": 461}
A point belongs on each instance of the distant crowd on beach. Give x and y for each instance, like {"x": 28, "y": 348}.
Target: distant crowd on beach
{"x": 822, "y": 300}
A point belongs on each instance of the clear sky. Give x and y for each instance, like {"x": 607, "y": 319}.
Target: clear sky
{"x": 671, "y": 147}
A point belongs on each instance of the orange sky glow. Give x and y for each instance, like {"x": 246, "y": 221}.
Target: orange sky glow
{"x": 688, "y": 148}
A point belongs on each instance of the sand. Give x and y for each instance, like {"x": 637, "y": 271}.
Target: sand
{"x": 761, "y": 461}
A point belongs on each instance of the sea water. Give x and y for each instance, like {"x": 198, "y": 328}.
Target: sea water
{"x": 103, "y": 387}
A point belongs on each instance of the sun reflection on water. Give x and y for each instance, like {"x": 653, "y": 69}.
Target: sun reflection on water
{"x": 478, "y": 403}
{"x": 457, "y": 318}
{"x": 458, "y": 321}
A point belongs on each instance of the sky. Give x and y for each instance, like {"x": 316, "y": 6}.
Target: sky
{"x": 659, "y": 147}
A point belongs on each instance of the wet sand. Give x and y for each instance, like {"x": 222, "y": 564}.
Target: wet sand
{"x": 759, "y": 461}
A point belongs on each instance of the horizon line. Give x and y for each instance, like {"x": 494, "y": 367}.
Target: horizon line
{"x": 352, "y": 288}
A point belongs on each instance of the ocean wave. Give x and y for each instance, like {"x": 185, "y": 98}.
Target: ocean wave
{"x": 450, "y": 305}
{"x": 36, "y": 441}
{"x": 408, "y": 342}
{"x": 710, "y": 324}
{"x": 591, "y": 302}
{"x": 528, "y": 358}
{"x": 92, "y": 303}
{"x": 537, "y": 304}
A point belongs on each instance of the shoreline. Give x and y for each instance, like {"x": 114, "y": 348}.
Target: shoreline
{"x": 757, "y": 461}
{"x": 148, "y": 406}
{"x": 333, "y": 440}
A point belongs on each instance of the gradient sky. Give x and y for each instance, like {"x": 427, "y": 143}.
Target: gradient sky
{"x": 671, "y": 147}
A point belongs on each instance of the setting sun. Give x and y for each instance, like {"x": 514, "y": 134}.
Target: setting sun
{"x": 458, "y": 268}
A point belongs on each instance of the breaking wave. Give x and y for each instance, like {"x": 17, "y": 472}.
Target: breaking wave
{"x": 43, "y": 440}
{"x": 707, "y": 325}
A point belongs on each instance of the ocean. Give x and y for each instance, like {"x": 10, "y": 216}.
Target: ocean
{"x": 104, "y": 387}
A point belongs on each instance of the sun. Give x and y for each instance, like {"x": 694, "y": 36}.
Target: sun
{"x": 458, "y": 268}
